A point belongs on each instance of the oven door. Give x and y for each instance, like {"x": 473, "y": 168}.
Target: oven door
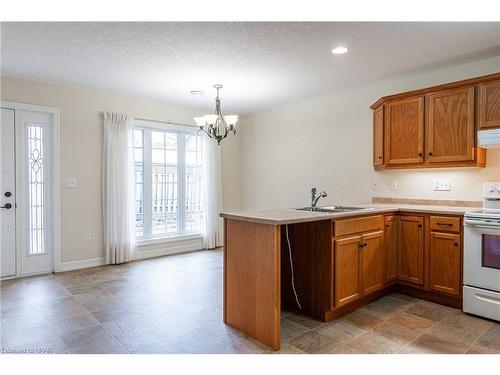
{"x": 482, "y": 256}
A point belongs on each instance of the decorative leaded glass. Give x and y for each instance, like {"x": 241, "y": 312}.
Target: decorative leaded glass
{"x": 36, "y": 159}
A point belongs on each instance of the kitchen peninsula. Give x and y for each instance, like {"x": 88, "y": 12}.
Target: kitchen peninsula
{"x": 341, "y": 261}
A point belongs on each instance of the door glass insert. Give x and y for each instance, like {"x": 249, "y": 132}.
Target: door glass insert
{"x": 491, "y": 251}
{"x": 36, "y": 158}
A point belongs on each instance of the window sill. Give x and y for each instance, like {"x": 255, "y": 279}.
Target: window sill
{"x": 167, "y": 239}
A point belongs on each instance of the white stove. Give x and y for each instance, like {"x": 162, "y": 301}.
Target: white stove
{"x": 482, "y": 256}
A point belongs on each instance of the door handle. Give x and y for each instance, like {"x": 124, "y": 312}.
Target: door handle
{"x": 8, "y": 206}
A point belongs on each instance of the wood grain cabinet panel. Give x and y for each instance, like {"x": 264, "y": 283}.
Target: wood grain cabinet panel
{"x": 404, "y": 131}
{"x": 411, "y": 250}
{"x": 391, "y": 236}
{"x": 378, "y": 136}
{"x": 450, "y": 135}
{"x": 445, "y": 263}
{"x": 489, "y": 105}
{"x": 372, "y": 262}
{"x": 347, "y": 270}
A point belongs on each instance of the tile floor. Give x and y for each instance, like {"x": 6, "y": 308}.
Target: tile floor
{"x": 174, "y": 305}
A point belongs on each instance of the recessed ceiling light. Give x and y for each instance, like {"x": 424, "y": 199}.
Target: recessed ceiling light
{"x": 197, "y": 92}
{"x": 339, "y": 50}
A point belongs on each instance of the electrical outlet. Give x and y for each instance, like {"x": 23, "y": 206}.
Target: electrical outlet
{"x": 374, "y": 185}
{"x": 441, "y": 185}
{"x": 88, "y": 237}
{"x": 394, "y": 185}
{"x": 71, "y": 183}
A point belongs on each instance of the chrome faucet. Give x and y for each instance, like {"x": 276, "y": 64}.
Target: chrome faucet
{"x": 315, "y": 198}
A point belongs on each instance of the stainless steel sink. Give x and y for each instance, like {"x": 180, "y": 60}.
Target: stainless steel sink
{"x": 334, "y": 209}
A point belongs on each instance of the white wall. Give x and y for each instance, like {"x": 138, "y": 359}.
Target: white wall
{"x": 81, "y": 152}
{"x": 327, "y": 142}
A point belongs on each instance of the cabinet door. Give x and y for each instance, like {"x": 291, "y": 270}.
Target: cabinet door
{"x": 372, "y": 262}
{"x": 346, "y": 268}
{"x": 404, "y": 131}
{"x": 378, "y": 136}
{"x": 489, "y": 105}
{"x": 445, "y": 263}
{"x": 450, "y": 125}
{"x": 411, "y": 249}
{"x": 391, "y": 248}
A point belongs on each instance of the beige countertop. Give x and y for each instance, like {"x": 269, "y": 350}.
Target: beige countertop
{"x": 291, "y": 216}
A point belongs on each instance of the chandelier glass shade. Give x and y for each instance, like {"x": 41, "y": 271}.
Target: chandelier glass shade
{"x": 217, "y": 126}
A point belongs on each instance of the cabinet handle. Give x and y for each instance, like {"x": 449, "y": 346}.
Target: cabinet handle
{"x": 447, "y": 224}
{"x": 455, "y": 244}
{"x": 420, "y": 154}
{"x": 420, "y": 225}
{"x": 387, "y": 225}
{"x": 380, "y": 157}
{"x": 430, "y": 153}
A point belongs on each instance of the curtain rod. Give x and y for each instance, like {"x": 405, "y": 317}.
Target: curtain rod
{"x": 165, "y": 122}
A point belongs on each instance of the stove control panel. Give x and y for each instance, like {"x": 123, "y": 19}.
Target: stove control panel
{"x": 491, "y": 196}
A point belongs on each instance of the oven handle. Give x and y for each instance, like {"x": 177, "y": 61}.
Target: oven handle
{"x": 481, "y": 224}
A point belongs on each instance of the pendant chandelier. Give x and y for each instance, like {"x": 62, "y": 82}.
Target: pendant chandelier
{"x": 217, "y": 126}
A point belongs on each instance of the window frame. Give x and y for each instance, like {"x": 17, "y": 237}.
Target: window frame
{"x": 147, "y": 127}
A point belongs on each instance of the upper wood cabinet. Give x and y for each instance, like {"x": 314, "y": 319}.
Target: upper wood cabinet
{"x": 450, "y": 125}
{"x": 489, "y": 105}
{"x": 378, "y": 136}
{"x": 404, "y": 131}
{"x": 411, "y": 250}
{"x": 436, "y": 126}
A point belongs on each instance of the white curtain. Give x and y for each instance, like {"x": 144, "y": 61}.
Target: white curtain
{"x": 212, "y": 183}
{"x": 117, "y": 189}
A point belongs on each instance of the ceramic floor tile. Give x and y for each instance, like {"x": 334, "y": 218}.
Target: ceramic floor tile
{"x": 304, "y": 320}
{"x": 403, "y": 327}
{"x": 314, "y": 343}
{"x": 362, "y": 320}
{"x": 374, "y": 343}
{"x": 428, "y": 311}
{"x": 290, "y": 329}
{"x": 488, "y": 343}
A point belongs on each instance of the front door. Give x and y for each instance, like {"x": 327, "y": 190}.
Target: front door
{"x": 7, "y": 194}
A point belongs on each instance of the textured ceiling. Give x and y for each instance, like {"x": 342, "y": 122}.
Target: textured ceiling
{"x": 259, "y": 64}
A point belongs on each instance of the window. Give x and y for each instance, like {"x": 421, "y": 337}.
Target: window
{"x": 36, "y": 184}
{"x": 168, "y": 181}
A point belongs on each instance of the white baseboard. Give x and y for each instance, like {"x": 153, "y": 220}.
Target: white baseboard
{"x": 170, "y": 250}
{"x": 79, "y": 264}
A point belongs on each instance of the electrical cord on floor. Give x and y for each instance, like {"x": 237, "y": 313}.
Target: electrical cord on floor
{"x": 291, "y": 266}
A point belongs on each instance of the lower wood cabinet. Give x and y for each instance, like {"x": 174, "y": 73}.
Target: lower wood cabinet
{"x": 347, "y": 281}
{"x": 372, "y": 262}
{"x": 445, "y": 263}
{"x": 391, "y": 243}
{"x": 358, "y": 266}
{"x": 411, "y": 250}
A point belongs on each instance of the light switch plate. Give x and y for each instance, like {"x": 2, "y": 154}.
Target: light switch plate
{"x": 441, "y": 185}
{"x": 71, "y": 183}
{"x": 394, "y": 185}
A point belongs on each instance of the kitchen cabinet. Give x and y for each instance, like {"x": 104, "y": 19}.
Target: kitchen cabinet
{"x": 378, "y": 136}
{"x": 391, "y": 240}
{"x": 489, "y": 105}
{"x": 445, "y": 263}
{"x": 436, "y": 127}
{"x": 404, "y": 131}
{"x": 450, "y": 135}
{"x": 347, "y": 270}
{"x": 411, "y": 250}
{"x": 372, "y": 262}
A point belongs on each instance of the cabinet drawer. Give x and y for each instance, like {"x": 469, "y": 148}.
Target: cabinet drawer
{"x": 357, "y": 225}
{"x": 449, "y": 224}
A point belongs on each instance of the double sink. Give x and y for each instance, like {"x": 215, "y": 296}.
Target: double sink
{"x": 333, "y": 209}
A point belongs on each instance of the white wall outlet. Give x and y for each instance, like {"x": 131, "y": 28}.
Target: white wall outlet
{"x": 441, "y": 185}
{"x": 394, "y": 185}
{"x": 71, "y": 183}
{"x": 88, "y": 237}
